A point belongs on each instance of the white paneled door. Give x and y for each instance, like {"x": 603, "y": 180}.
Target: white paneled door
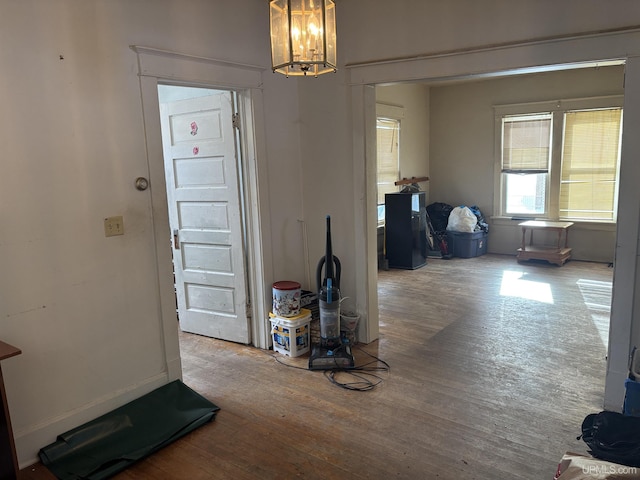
{"x": 203, "y": 196}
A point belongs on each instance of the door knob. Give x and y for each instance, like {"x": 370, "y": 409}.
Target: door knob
{"x": 142, "y": 183}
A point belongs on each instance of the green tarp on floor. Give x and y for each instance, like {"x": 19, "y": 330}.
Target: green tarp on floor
{"x": 107, "y": 445}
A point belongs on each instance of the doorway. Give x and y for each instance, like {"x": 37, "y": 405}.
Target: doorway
{"x": 475, "y": 64}
{"x": 157, "y": 67}
{"x": 469, "y": 177}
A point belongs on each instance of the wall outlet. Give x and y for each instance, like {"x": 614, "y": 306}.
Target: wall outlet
{"x": 113, "y": 226}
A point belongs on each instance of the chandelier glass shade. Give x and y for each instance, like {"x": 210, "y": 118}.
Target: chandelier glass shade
{"x": 303, "y": 36}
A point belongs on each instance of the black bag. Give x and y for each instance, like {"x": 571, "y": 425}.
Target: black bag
{"x": 613, "y": 437}
{"x": 439, "y": 214}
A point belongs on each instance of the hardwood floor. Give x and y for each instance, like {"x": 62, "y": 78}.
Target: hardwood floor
{"x": 493, "y": 366}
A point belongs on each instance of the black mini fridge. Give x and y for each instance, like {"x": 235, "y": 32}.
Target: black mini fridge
{"x": 406, "y": 230}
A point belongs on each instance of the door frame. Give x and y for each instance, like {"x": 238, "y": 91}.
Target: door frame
{"x": 161, "y": 66}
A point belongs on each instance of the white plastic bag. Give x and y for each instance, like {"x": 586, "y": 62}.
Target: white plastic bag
{"x": 462, "y": 219}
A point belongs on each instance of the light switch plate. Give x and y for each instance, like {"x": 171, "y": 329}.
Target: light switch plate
{"x": 113, "y": 226}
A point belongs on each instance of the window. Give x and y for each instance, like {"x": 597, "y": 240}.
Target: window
{"x": 388, "y": 159}
{"x": 590, "y": 159}
{"x": 526, "y": 150}
{"x": 561, "y": 163}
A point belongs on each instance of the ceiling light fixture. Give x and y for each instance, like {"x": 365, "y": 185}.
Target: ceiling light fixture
{"x": 303, "y": 36}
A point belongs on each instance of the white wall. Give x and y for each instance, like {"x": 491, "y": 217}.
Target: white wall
{"x": 83, "y": 308}
{"x": 418, "y": 27}
{"x": 327, "y": 174}
{"x": 285, "y": 171}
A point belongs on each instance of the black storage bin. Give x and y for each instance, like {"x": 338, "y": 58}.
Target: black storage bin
{"x": 467, "y": 245}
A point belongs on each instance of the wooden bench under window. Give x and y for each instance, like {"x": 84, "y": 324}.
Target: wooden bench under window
{"x": 557, "y": 254}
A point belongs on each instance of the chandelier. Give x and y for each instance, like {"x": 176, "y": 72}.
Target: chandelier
{"x": 303, "y": 36}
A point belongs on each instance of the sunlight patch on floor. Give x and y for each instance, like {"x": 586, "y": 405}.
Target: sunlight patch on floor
{"x": 513, "y": 285}
{"x": 597, "y": 299}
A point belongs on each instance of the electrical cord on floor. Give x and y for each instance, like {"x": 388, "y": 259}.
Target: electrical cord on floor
{"x": 363, "y": 381}
{"x": 364, "y": 377}
{"x": 279, "y": 360}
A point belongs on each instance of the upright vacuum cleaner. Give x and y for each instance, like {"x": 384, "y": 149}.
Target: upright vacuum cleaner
{"x": 333, "y": 352}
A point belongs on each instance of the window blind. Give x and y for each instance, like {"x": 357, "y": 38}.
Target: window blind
{"x": 526, "y": 143}
{"x": 388, "y": 131}
{"x": 590, "y": 158}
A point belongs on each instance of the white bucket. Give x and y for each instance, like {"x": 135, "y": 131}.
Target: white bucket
{"x": 286, "y": 298}
{"x": 291, "y": 336}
